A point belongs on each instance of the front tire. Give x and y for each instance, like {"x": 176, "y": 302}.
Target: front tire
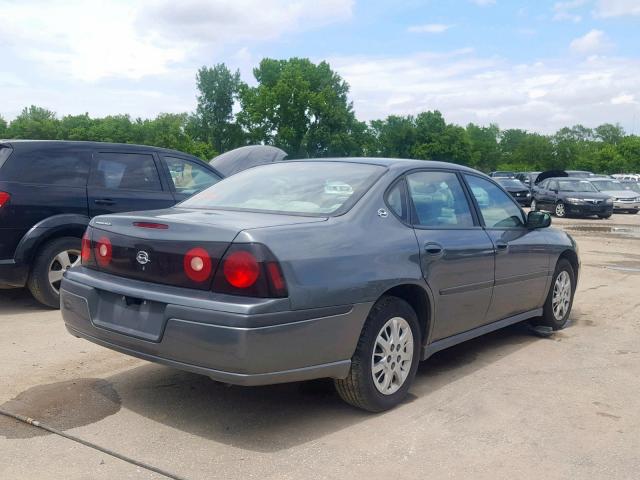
{"x": 49, "y": 264}
{"x": 386, "y": 358}
{"x": 559, "y": 301}
{"x": 560, "y": 210}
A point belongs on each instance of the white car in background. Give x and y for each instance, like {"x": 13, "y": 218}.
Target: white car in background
{"x": 624, "y": 200}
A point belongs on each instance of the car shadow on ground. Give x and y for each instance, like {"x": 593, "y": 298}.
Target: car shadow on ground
{"x": 18, "y": 300}
{"x": 261, "y": 419}
{"x": 276, "y": 417}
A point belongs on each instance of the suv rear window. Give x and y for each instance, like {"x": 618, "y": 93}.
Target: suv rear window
{"x": 4, "y": 154}
{"x": 66, "y": 168}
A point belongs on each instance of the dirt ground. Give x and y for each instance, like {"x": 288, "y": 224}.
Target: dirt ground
{"x": 508, "y": 405}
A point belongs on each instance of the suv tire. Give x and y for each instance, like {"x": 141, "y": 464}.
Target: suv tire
{"x": 44, "y": 261}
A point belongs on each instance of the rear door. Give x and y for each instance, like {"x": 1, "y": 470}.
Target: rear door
{"x": 456, "y": 255}
{"x": 187, "y": 177}
{"x": 522, "y": 255}
{"x": 126, "y": 181}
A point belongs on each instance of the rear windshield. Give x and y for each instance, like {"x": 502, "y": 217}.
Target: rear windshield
{"x": 4, "y": 154}
{"x": 576, "y": 186}
{"x": 303, "y": 188}
{"x": 507, "y": 182}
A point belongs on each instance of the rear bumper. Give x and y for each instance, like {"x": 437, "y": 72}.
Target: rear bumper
{"x": 13, "y": 274}
{"x": 238, "y": 348}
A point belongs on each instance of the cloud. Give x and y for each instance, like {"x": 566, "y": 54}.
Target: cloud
{"x": 594, "y": 42}
{"x": 483, "y": 3}
{"x": 566, "y": 10}
{"x": 542, "y": 96}
{"x": 617, "y": 8}
{"x": 93, "y": 40}
{"x": 429, "y": 28}
{"x": 231, "y": 21}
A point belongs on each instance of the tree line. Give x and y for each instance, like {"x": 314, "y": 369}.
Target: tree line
{"x": 304, "y": 108}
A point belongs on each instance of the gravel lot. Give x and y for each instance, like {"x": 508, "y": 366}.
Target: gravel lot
{"x": 508, "y": 405}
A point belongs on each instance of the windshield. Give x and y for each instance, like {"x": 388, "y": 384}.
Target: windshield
{"x": 576, "y": 186}
{"x": 607, "y": 185}
{"x": 303, "y": 188}
{"x": 508, "y": 182}
{"x": 632, "y": 186}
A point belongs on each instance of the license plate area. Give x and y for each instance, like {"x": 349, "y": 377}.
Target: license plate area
{"x": 132, "y": 316}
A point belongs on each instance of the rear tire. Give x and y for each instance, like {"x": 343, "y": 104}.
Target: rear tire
{"x": 380, "y": 377}
{"x": 45, "y": 267}
{"x": 559, "y": 301}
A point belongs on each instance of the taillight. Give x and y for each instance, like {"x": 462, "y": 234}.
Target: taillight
{"x": 103, "y": 251}
{"x": 197, "y": 264}
{"x": 85, "y": 252}
{"x": 4, "y": 198}
{"x": 251, "y": 270}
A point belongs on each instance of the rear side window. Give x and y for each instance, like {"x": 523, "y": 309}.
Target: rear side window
{"x": 126, "y": 171}
{"x": 4, "y": 154}
{"x": 66, "y": 168}
{"x": 438, "y": 200}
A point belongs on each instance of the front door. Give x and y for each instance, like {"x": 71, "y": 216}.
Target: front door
{"x": 125, "y": 182}
{"x": 457, "y": 256}
{"x": 522, "y": 255}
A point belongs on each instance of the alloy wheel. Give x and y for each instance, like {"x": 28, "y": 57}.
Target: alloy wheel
{"x": 560, "y": 211}
{"x": 392, "y": 356}
{"x": 60, "y": 264}
{"x": 561, "y": 295}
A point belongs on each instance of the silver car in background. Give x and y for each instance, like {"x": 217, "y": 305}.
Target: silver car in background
{"x": 624, "y": 199}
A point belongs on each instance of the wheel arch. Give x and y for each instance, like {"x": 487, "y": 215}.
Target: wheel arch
{"x": 419, "y": 298}
{"x": 572, "y": 257}
{"x": 65, "y": 225}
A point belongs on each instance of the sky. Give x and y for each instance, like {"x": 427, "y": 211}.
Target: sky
{"x": 533, "y": 64}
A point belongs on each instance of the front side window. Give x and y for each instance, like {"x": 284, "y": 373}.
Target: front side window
{"x": 65, "y": 168}
{"x": 438, "y": 200}
{"x": 126, "y": 171}
{"x": 189, "y": 177}
{"x": 303, "y": 188}
{"x": 497, "y": 208}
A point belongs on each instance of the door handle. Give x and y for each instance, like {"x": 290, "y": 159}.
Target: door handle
{"x": 502, "y": 246}
{"x": 104, "y": 201}
{"x": 433, "y": 249}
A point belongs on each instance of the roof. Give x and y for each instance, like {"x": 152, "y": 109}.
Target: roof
{"x": 395, "y": 163}
{"x": 19, "y": 143}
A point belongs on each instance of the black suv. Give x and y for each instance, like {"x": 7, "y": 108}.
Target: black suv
{"x": 50, "y": 189}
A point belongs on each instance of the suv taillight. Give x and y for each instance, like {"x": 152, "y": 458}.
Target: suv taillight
{"x": 4, "y": 198}
{"x": 251, "y": 270}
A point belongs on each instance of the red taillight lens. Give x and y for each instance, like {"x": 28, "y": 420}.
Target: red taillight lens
{"x": 197, "y": 264}
{"x": 85, "y": 252}
{"x": 103, "y": 251}
{"x": 250, "y": 270}
{"x": 4, "y": 198}
{"x": 241, "y": 269}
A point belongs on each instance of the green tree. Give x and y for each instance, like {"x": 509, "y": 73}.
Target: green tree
{"x": 609, "y": 133}
{"x": 302, "y": 108}
{"x": 3, "y": 127}
{"x": 629, "y": 150}
{"x": 213, "y": 122}
{"x": 168, "y": 130}
{"x": 485, "y": 151}
{"x": 35, "y": 123}
{"x": 75, "y": 127}
{"x": 437, "y": 140}
{"x": 393, "y": 137}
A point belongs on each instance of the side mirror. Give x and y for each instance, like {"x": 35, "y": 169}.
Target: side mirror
{"x": 538, "y": 220}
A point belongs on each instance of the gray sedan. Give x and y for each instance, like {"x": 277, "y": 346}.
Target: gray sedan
{"x": 353, "y": 269}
